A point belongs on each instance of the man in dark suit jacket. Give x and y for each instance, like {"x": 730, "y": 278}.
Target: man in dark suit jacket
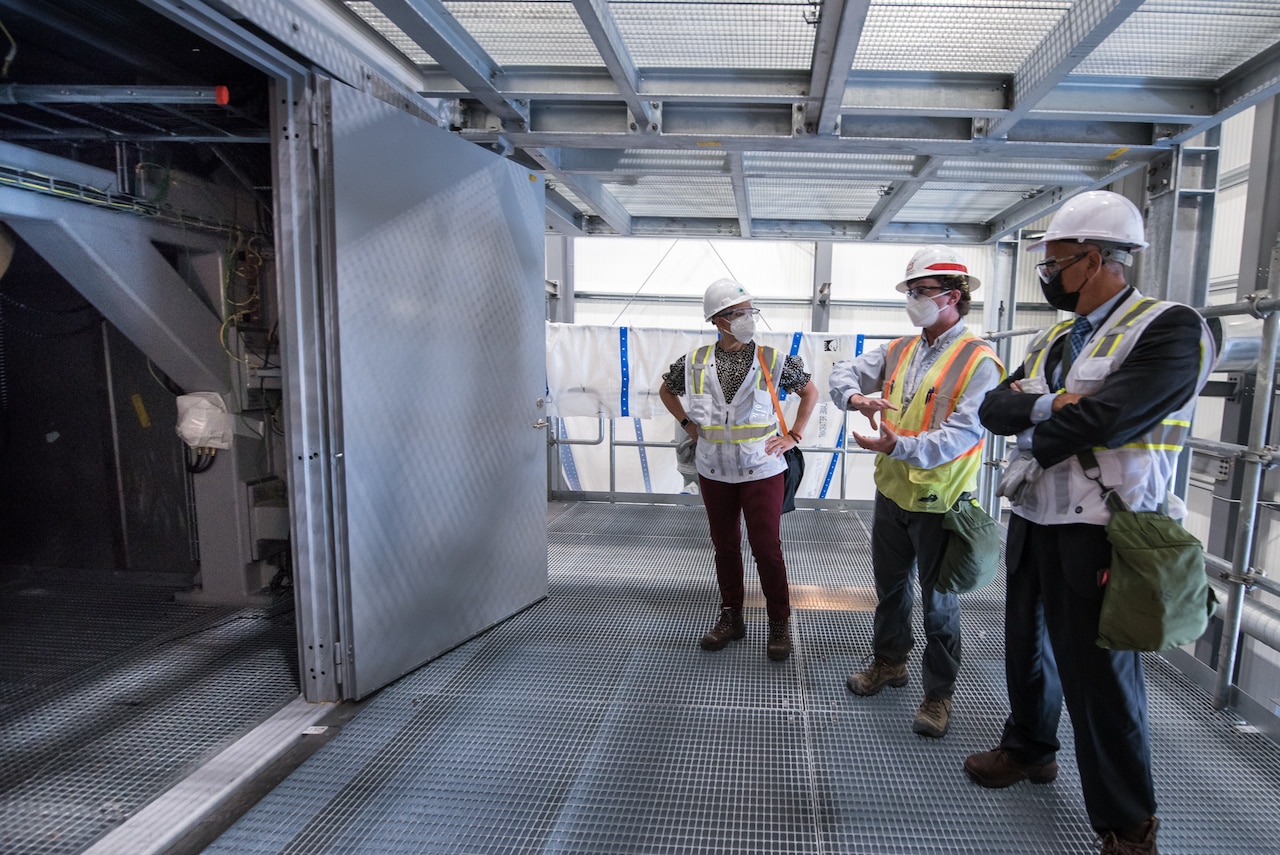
{"x": 1120, "y": 380}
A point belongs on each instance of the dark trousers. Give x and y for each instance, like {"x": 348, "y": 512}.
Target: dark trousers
{"x": 760, "y": 504}
{"x": 903, "y": 542}
{"x": 1051, "y": 626}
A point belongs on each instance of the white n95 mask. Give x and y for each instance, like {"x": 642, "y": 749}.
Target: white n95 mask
{"x": 743, "y": 328}
{"x": 922, "y": 310}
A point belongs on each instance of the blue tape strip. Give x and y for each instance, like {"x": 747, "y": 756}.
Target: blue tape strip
{"x": 857, "y": 348}
{"x": 626, "y": 372}
{"x": 795, "y": 350}
{"x": 831, "y": 468}
{"x": 644, "y": 458}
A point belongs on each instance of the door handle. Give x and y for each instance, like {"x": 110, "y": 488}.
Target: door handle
{"x": 540, "y": 423}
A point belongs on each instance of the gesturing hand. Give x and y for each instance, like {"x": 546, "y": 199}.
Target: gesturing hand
{"x": 884, "y": 443}
{"x": 869, "y": 407}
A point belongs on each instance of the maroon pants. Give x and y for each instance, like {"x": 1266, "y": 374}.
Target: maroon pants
{"x": 760, "y": 504}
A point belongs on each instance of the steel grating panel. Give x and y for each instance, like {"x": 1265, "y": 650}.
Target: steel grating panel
{"x": 169, "y": 686}
{"x": 1032, "y": 172}
{"x": 877, "y": 167}
{"x": 963, "y": 203}
{"x": 383, "y": 26}
{"x": 971, "y": 36}
{"x": 777, "y": 199}
{"x": 661, "y": 160}
{"x": 32, "y": 659}
{"x": 661, "y": 196}
{"x": 537, "y": 33}
{"x": 1196, "y": 39}
{"x": 592, "y": 723}
{"x": 681, "y": 34}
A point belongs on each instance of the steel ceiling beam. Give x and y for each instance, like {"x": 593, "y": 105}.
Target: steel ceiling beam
{"x": 590, "y": 190}
{"x": 832, "y": 230}
{"x": 834, "y": 46}
{"x": 867, "y": 93}
{"x": 1252, "y": 83}
{"x": 562, "y": 216}
{"x": 598, "y": 19}
{"x": 431, "y": 26}
{"x": 887, "y": 208}
{"x": 1081, "y": 29}
{"x": 1030, "y": 210}
{"x": 27, "y": 93}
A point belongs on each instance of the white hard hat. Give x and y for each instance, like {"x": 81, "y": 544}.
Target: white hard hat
{"x": 722, "y": 294}
{"x": 1097, "y": 215}
{"x": 934, "y": 261}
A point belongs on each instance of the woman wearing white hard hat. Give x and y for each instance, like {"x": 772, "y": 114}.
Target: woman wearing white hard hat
{"x": 926, "y": 389}
{"x": 731, "y": 415}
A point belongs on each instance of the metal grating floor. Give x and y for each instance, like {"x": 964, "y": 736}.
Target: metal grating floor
{"x": 111, "y": 693}
{"x": 592, "y": 722}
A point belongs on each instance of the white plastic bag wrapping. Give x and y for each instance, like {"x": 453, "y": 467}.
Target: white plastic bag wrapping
{"x": 203, "y": 420}
{"x": 585, "y": 382}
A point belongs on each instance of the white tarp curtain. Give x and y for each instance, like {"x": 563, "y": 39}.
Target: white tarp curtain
{"x": 614, "y": 373}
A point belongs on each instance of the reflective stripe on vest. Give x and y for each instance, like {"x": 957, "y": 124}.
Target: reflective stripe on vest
{"x": 1172, "y": 432}
{"x": 929, "y": 490}
{"x": 1140, "y": 471}
{"x": 747, "y": 432}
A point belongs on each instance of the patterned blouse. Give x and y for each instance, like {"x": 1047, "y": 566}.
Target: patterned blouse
{"x": 732, "y": 368}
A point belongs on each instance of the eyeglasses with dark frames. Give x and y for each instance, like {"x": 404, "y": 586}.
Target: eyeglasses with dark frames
{"x": 1051, "y": 267}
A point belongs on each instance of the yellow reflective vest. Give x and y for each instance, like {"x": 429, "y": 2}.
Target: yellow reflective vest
{"x": 731, "y": 434}
{"x": 1141, "y": 470}
{"x": 910, "y": 487}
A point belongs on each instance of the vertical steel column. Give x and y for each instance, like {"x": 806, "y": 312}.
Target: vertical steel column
{"x": 560, "y": 275}
{"x": 1254, "y": 462}
{"x": 998, "y": 316}
{"x": 1232, "y": 523}
{"x": 822, "y": 285}
{"x": 1261, "y": 225}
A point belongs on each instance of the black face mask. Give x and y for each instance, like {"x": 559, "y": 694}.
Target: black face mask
{"x": 1057, "y": 297}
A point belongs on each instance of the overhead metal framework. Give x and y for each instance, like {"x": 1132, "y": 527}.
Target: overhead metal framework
{"x": 893, "y": 120}
{"x": 890, "y": 120}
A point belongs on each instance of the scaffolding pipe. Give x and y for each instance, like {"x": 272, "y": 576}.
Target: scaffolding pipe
{"x": 1254, "y": 459}
{"x": 1258, "y": 621}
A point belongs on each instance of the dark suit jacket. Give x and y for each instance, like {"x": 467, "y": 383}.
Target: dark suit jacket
{"x": 1157, "y": 377}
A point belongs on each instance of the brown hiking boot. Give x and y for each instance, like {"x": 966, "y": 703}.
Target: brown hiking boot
{"x": 1140, "y": 840}
{"x": 880, "y": 674}
{"x": 730, "y": 627}
{"x": 997, "y": 770}
{"x": 779, "y": 646}
{"x": 933, "y": 718}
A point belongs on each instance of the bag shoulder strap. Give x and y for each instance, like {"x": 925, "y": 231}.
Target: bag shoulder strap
{"x": 1089, "y": 463}
{"x": 777, "y": 407}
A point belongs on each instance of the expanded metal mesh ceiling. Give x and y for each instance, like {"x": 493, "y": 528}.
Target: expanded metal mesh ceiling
{"x": 893, "y": 120}
{"x": 897, "y": 120}
{"x": 876, "y": 120}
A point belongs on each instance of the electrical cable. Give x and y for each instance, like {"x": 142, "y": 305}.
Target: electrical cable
{"x": 646, "y": 281}
{"x": 14, "y": 301}
{"x": 13, "y": 51}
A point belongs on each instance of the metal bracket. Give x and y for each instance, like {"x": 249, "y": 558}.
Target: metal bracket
{"x": 1160, "y": 177}
{"x": 800, "y": 127}
{"x": 641, "y": 125}
{"x": 1252, "y": 300}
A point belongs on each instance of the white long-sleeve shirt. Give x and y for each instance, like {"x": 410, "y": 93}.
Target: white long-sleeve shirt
{"x": 956, "y": 435}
